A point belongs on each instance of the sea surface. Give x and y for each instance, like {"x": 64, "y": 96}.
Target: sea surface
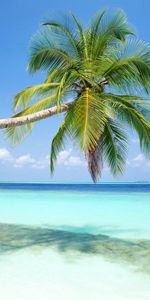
{"x": 75, "y": 241}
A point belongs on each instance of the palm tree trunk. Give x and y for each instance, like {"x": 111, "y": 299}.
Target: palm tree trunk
{"x": 43, "y": 114}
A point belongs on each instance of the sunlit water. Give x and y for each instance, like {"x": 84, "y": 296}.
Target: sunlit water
{"x": 75, "y": 242}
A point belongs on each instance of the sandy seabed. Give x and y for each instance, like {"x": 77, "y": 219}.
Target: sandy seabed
{"x": 33, "y": 274}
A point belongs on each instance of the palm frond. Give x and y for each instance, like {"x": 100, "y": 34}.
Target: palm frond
{"x": 115, "y": 23}
{"x": 53, "y": 76}
{"x": 96, "y": 22}
{"x": 139, "y": 103}
{"x": 104, "y": 31}
{"x": 134, "y": 118}
{"x": 26, "y": 95}
{"x": 46, "y": 53}
{"x": 89, "y": 116}
{"x": 95, "y": 160}
{"x": 59, "y": 92}
{"x": 58, "y": 141}
{"x": 17, "y": 134}
{"x": 82, "y": 35}
{"x": 114, "y": 147}
{"x": 130, "y": 68}
{"x": 40, "y": 105}
{"x": 64, "y": 31}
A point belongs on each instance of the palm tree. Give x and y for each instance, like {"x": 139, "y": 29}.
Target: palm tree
{"x": 105, "y": 70}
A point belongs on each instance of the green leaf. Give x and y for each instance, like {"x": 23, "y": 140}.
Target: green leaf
{"x": 134, "y": 118}
{"x": 26, "y": 95}
{"x": 130, "y": 68}
{"x": 88, "y": 119}
{"x": 40, "y": 105}
{"x": 58, "y": 142}
{"x": 114, "y": 146}
{"x": 17, "y": 134}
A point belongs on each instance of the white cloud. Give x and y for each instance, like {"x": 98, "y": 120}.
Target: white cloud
{"x": 139, "y": 158}
{"x": 74, "y": 161}
{"x": 24, "y": 160}
{"x": 63, "y": 156}
{"x": 5, "y": 154}
{"x": 66, "y": 158}
{"x": 41, "y": 163}
{"x": 138, "y": 161}
{"x": 27, "y": 160}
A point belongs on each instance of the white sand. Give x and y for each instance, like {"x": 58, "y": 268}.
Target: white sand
{"x": 48, "y": 275}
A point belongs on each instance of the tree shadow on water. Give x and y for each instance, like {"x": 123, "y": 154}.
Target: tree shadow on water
{"x": 135, "y": 252}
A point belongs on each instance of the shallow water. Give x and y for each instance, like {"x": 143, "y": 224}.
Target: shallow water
{"x": 75, "y": 242}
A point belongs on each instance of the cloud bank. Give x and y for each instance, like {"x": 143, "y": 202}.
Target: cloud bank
{"x": 65, "y": 158}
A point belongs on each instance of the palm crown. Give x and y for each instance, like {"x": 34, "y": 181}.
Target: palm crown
{"x": 106, "y": 71}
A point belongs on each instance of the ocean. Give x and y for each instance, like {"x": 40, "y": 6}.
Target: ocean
{"x": 75, "y": 241}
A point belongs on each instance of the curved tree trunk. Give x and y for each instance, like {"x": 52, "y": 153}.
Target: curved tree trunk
{"x": 43, "y": 114}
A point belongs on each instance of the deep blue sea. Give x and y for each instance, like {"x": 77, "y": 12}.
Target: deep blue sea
{"x": 102, "y": 187}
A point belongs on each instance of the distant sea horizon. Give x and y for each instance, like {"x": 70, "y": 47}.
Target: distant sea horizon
{"x": 137, "y": 186}
{"x": 76, "y": 182}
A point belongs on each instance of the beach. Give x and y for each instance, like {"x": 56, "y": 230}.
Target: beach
{"x": 49, "y": 275}
{"x": 74, "y": 243}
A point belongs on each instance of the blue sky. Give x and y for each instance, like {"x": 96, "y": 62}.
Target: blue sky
{"x": 19, "y": 20}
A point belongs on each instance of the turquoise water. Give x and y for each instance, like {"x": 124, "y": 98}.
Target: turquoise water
{"x": 120, "y": 213}
{"x": 75, "y": 236}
